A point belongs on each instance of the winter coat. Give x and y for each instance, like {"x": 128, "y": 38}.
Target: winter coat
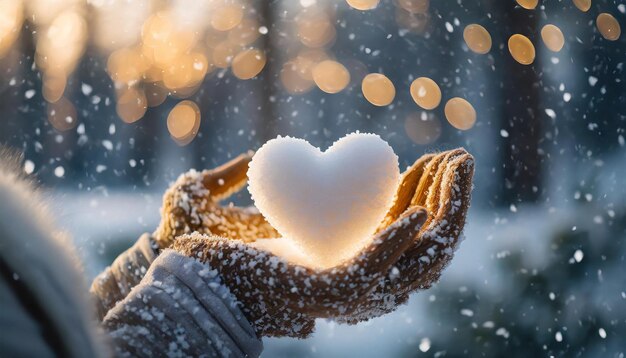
{"x": 150, "y": 305}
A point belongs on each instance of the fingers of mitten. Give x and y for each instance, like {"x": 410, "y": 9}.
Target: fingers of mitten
{"x": 422, "y": 264}
{"x": 245, "y": 224}
{"x": 406, "y": 190}
{"x": 386, "y": 247}
{"x": 227, "y": 178}
{"x": 340, "y": 290}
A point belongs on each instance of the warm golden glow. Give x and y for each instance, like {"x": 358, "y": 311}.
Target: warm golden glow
{"x": 11, "y": 18}
{"x": 155, "y": 94}
{"x": 245, "y": 33}
{"x": 131, "y": 104}
{"x": 53, "y": 87}
{"x": 522, "y": 49}
{"x": 331, "y": 76}
{"x": 188, "y": 71}
{"x": 117, "y": 23}
{"x": 248, "y": 63}
{"x": 552, "y": 37}
{"x": 226, "y": 17}
{"x": 582, "y": 5}
{"x": 223, "y": 53}
{"x": 62, "y": 44}
{"x": 425, "y": 93}
{"x": 378, "y": 89}
{"x": 477, "y": 38}
{"x": 460, "y": 113}
{"x": 291, "y": 76}
{"x": 608, "y": 26}
{"x": 62, "y": 115}
{"x": 183, "y": 122}
{"x": 127, "y": 65}
{"x": 314, "y": 28}
{"x": 423, "y": 128}
{"x": 363, "y": 4}
{"x": 528, "y": 4}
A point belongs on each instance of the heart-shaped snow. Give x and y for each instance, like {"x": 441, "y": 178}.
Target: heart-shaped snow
{"x": 329, "y": 203}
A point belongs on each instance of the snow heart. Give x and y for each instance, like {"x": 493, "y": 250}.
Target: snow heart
{"x": 328, "y": 203}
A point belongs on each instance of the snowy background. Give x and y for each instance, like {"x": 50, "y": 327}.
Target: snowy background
{"x": 541, "y": 270}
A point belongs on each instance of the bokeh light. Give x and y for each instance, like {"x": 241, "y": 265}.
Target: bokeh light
{"x": 608, "y": 26}
{"x": 522, "y": 49}
{"x": 460, "y": 113}
{"x": 378, "y": 89}
{"x": 183, "y": 122}
{"x": 477, "y": 38}
{"x": 425, "y": 92}
{"x": 552, "y": 37}
{"x": 248, "y": 63}
{"x": 331, "y": 76}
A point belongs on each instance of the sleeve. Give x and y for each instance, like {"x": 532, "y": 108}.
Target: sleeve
{"x": 181, "y": 308}
{"x": 116, "y": 281}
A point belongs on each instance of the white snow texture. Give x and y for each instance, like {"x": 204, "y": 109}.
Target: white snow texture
{"x": 329, "y": 203}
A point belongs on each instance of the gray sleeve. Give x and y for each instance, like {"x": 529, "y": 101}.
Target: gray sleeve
{"x": 180, "y": 308}
{"x": 116, "y": 281}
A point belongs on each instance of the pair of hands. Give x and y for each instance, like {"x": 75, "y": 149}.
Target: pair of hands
{"x": 408, "y": 251}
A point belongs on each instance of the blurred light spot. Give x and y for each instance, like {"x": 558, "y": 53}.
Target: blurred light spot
{"x": 223, "y": 53}
{"x": 62, "y": 44}
{"x": 248, "y": 63}
{"x": 155, "y": 94}
{"x": 363, "y": 4}
{"x": 552, "y": 37}
{"x": 226, "y": 17}
{"x": 331, "y": 76}
{"x": 131, "y": 104}
{"x": 424, "y": 345}
{"x": 608, "y": 26}
{"x": 127, "y": 65}
{"x": 477, "y": 38}
{"x": 602, "y": 333}
{"x": 245, "y": 33}
{"x": 423, "y": 128}
{"x": 11, "y": 18}
{"x": 378, "y": 89}
{"x": 183, "y": 122}
{"x": 62, "y": 115}
{"x": 292, "y": 76}
{"x": 314, "y": 28}
{"x": 528, "y": 4}
{"x": 53, "y": 87}
{"x": 460, "y": 113}
{"x": 425, "y": 93}
{"x": 521, "y": 49}
{"x": 582, "y": 5}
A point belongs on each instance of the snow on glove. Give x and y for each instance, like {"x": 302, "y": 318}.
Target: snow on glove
{"x": 283, "y": 299}
{"x": 191, "y": 204}
{"x": 441, "y": 183}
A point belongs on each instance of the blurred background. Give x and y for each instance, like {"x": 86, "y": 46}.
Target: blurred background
{"x": 110, "y": 100}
